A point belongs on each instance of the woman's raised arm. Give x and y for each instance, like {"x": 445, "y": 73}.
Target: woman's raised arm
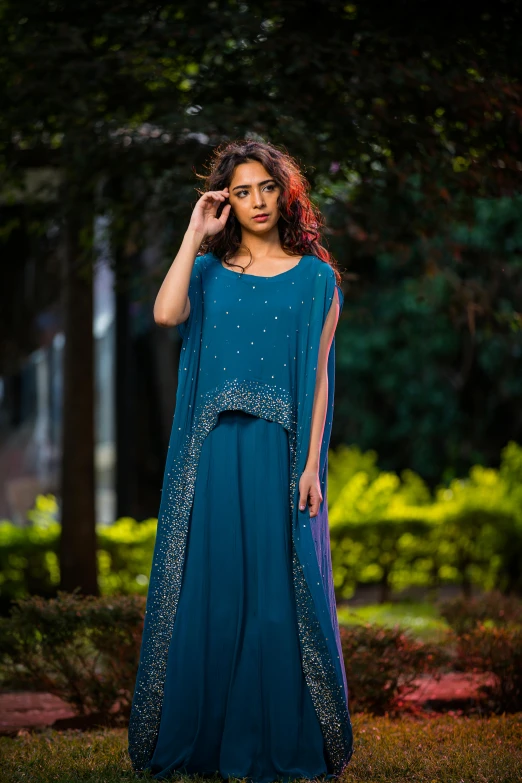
{"x": 172, "y": 305}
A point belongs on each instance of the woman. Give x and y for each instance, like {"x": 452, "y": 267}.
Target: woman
{"x": 241, "y": 672}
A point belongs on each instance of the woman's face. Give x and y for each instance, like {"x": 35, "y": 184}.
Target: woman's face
{"x": 253, "y": 197}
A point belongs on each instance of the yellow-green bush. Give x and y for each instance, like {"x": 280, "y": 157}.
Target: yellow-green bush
{"x": 29, "y": 556}
{"x": 385, "y": 529}
{"x": 125, "y": 556}
{"x": 391, "y": 531}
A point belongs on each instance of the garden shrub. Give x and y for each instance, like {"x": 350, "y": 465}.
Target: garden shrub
{"x": 29, "y": 555}
{"x": 391, "y": 531}
{"x": 385, "y": 530}
{"x": 463, "y": 614}
{"x": 381, "y": 664}
{"x": 125, "y": 551}
{"x": 29, "y": 562}
{"x": 83, "y": 649}
{"x": 86, "y": 649}
{"x": 499, "y": 652}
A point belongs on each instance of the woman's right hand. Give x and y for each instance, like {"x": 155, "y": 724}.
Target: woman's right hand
{"x": 203, "y": 220}
{"x": 172, "y": 305}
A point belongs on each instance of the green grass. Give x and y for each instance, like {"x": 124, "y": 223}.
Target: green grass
{"x": 439, "y": 749}
{"x": 421, "y": 618}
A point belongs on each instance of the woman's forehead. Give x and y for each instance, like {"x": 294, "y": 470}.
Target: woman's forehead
{"x": 250, "y": 173}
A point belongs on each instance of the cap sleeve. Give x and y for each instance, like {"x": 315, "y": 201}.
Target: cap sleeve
{"x": 332, "y": 285}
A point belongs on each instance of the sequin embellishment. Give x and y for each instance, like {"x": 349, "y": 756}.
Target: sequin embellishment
{"x": 255, "y": 397}
{"x": 327, "y": 694}
{"x": 273, "y": 403}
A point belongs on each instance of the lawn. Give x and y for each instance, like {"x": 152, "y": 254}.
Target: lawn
{"x": 421, "y": 618}
{"x": 438, "y": 749}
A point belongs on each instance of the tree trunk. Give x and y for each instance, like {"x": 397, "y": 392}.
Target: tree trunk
{"x": 123, "y": 402}
{"x": 466, "y": 586}
{"x": 78, "y": 567}
{"x": 384, "y": 588}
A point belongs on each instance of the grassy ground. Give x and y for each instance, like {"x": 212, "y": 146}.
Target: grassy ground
{"x": 421, "y": 618}
{"x": 441, "y": 749}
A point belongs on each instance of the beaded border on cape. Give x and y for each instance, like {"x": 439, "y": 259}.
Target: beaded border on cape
{"x": 274, "y": 404}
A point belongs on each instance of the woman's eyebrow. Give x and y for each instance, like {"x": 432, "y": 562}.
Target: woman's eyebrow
{"x": 264, "y": 182}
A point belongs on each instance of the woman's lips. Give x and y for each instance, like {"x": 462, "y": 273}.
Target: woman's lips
{"x": 261, "y": 218}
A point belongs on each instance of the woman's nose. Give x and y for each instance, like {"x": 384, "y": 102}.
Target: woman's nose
{"x": 259, "y": 199}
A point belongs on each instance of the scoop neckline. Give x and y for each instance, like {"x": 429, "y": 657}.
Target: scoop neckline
{"x": 260, "y": 277}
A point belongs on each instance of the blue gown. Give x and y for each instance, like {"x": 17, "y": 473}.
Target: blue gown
{"x": 240, "y": 671}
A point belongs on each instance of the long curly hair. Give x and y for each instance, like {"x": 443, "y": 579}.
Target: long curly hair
{"x": 300, "y": 221}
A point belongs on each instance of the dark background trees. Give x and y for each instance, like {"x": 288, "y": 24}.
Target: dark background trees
{"x": 407, "y": 119}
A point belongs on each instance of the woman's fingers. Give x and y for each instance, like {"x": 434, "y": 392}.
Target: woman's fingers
{"x": 204, "y": 215}
{"x": 215, "y": 195}
{"x": 313, "y": 502}
{"x": 224, "y": 215}
{"x": 311, "y": 496}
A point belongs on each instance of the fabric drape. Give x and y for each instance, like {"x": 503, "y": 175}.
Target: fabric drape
{"x": 250, "y": 343}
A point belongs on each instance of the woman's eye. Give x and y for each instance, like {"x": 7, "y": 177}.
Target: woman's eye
{"x": 242, "y": 193}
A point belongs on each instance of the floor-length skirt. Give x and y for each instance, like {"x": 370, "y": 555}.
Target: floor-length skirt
{"x": 235, "y": 701}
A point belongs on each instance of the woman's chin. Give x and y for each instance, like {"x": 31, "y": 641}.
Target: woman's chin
{"x": 260, "y": 228}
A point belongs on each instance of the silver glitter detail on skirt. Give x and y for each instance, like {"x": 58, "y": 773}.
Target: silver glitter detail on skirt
{"x": 259, "y": 399}
{"x": 327, "y": 693}
{"x": 274, "y": 404}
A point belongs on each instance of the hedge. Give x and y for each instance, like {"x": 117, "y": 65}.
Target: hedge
{"x": 385, "y": 529}
{"x": 86, "y": 650}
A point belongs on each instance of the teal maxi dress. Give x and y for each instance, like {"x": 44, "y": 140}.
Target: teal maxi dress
{"x": 241, "y": 672}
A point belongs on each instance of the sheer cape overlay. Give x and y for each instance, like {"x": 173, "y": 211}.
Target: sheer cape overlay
{"x": 250, "y": 343}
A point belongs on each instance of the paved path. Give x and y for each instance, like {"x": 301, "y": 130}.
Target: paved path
{"x": 26, "y": 709}
{"x": 452, "y": 687}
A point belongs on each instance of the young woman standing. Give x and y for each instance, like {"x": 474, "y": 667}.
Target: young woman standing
{"x": 241, "y": 671}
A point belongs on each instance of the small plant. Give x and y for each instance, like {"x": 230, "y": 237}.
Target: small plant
{"x": 492, "y": 608}
{"x": 83, "y": 649}
{"x": 499, "y": 652}
{"x": 382, "y": 663}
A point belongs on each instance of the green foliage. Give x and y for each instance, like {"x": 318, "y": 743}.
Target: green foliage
{"x": 85, "y": 650}
{"x": 29, "y": 556}
{"x": 382, "y": 664}
{"x": 385, "y": 529}
{"x": 491, "y": 609}
{"x": 391, "y": 531}
{"x": 430, "y": 340}
{"x": 421, "y": 618}
{"x": 408, "y": 128}
{"x": 125, "y": 556}
{"x": 82, "y": 649}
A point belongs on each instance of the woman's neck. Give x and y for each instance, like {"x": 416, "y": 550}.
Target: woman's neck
{"x": 266, "y": 246}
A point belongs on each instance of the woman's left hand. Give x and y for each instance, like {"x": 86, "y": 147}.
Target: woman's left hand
{"x": 310, "y": 491}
